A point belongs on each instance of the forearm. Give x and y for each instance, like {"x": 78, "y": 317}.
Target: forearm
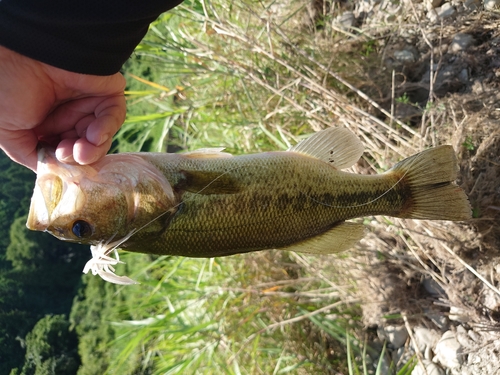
{"x": 91, "y": 36}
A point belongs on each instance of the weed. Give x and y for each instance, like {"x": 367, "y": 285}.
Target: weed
{"x": 403, "y": 99}
{"x": 239, "y": 75}
{"x": 468, "y": 144}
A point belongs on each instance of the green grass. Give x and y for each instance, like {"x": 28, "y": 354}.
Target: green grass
{"x": 231, "y": 315}
{"x": 218, "y": 73}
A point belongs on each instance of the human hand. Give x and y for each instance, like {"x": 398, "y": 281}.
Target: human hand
{"x": 77, "y": 114}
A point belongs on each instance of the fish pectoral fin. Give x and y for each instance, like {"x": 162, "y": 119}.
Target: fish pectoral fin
{"x": 340, "y": 238}
{"x": 338, "y": 147}
{"x": 206, "y": 183}
{"x": 207, "y": 153}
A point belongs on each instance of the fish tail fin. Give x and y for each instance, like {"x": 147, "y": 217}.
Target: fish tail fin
{"x": 430, "y": 176}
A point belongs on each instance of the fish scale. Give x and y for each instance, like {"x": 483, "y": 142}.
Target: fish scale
{"x": 208, "y": 203}
{"x": 270, "y": 209}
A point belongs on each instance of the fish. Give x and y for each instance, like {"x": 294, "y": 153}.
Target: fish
{"x": 209, "y": 203}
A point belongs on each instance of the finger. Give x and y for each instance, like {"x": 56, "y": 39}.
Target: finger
{"x": 96, "y": 139}
{"x": 82, "y": 125}
{"x": 88, "y": 85}
{"x": 67, "y": 115}
{"x": 109, "y": 117}
{"x": 65, "y": 141}
{"x": 80, "y": 151}
{"x": 85, "y": 152}
{"x": 70, "y": 134}
{"x": 20, "y": 146}
{"x": 64, "y": 150}
{"x": 91, "y": 137}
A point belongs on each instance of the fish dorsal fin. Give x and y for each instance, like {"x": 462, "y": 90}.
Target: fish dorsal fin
{"x": 340, "y": 238}
{"x": 207, "y": 153}
{"x": 339, "y": 147}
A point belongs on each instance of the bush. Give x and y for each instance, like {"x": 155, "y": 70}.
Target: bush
{"x": 51, "y": 348}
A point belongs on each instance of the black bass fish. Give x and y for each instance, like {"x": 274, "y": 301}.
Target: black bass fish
{"x": 208, "y": 203}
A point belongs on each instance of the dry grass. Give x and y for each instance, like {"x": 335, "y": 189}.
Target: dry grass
{"x": 276, "y": 81}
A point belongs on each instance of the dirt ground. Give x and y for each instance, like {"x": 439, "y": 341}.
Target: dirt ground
{"x": 432, "y": 288}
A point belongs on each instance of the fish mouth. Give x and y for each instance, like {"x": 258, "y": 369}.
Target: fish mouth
{"x": 46, "y": 194}
{"x": 57, "y": 191}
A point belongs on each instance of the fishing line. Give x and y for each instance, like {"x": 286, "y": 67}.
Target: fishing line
{"x": 117, "y": 243}
{"x": 381, "y": 195}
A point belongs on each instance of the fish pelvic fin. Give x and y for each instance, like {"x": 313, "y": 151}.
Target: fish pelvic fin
{"x": 338, "y": 147}
{"x": 340, "y": 238}
{"x": 430, "y": 176}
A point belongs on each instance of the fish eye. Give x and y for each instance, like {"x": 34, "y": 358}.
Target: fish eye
{"x": 82, "y": 229}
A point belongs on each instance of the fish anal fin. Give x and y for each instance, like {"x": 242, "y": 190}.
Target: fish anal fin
{"x": 338, "y": 147}
{"x": 207, "y": 182}
{"x": 207, "y": 153}
{"x": 340, "y": 238}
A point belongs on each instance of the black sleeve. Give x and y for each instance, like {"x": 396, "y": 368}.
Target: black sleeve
{"x": 83, "y": 36}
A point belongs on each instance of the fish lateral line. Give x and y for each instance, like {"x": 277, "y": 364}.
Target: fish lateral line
{"x": 413, "y": 161}
{"x": 381, "y": 195}
{"x": 200, "y": 206}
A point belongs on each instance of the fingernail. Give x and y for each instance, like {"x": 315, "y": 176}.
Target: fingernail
{"x": 103, "y": 139}
{"x": 67, "y": 159}
{"x": 64, "y": 158}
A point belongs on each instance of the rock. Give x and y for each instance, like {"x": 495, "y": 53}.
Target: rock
{"x": 490, "y": 300}
{"x": 385, "y": 364}
{"x": 363, "y": 9}
{"x": 432, "y": 16}
{"x": 463, "y": 337}
{"x": 472, "y": 5}
{"x": 396, "y": 336}
{"x": 491, "y": 4}
{"x": 449, "y": 351}
{"x": 478, "y": 87}
{"x": 388, "y": 11}
{"x": 425, "y": 338}
{"x": 446, "y": 11}
{"x": 375, "y": 357}
{"x": 430, "y": 367}
{"x": 398, "y": 354}
{"x": 458, "y": 5}
{"x": 463, "y": 76}
{"x": 459, "y": 315}
{"x": 404, "y": 56}
{"x": 431, "y": 4}
{"x": 438, "y": 318}
{"x": 345, "y": 20}
{"x": 461, "y": 42}
{"x": 476, "y": 337}
{"x": 433, "y": 288}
